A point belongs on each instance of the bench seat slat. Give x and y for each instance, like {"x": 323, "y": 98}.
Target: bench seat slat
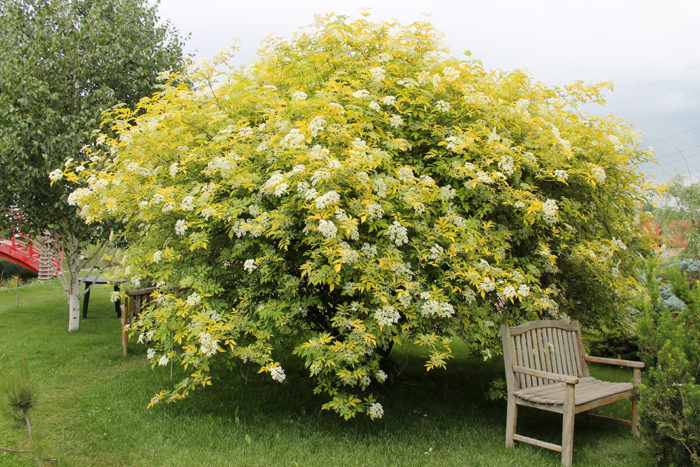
{"x": 588, "y": 389}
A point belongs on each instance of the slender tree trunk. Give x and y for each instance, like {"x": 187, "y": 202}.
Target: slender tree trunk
{"x": 69, "y": 280}
{"x": 73, "y": 304}
{"x": 75, "y": 262}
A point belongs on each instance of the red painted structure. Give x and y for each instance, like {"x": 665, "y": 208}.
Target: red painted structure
{"x": 673, "y": 233}
{"x": 26, "y": 252}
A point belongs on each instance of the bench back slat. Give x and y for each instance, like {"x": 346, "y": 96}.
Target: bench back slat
{"x": 551, "y": 346}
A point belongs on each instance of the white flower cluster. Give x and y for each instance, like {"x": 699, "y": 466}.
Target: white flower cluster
{"x": 379, "y": 186}
{"x": 599, "y": 175}
{"x": 319, "y": 152}
{"x": 368, "y": 250}
{"x": 389, "y": 100}
{"x": 316, "y": 125}
{"x": 376, "y": 410}
{"x": 360, "y": 94}
{"x": 523, "y": 290}
{"x": 56, "y": 175}
{"x": 563, "y": 174}
{"x": 506, "y": 164}
{"x": 173, "y": 169}
{"x": 180, "y": 227}
{"x": 187, "y": 203}
{"x": 163, "y": 361}
{"x": 207, "y": 345}
{"x": 157, "y": 255}
{"x": 327, "y": 228}
{"x": 249, "y": 265}
{"x": 306, "y": 191}
{"x": 375, "y": 106}
{"x": 320, "y": 175}
{"x": 114, "y": 297}
{"x": 435, "y": 308}
{"x": 453, "y": 142}
{"x": 193, "y": 299}
{"x": 294, "y": 139}
{"x": 221, "y": 164}
{"x": 77, "y": 195}
{"x": 435, "y": 252}
{"x": 150, "y": 353}
{"x": 405, "y": 174}
{"x": 327, "y": 199}
{"x": 396, "y": 121}
{"x": 483, "y": 178}
{"x": 386, "y": 315}
{"x": 443, "y": 106}
{"x": 277, "y": 373}
{"x": 487, "y": 285}
{"x": 450, "y": 73}
{"x": 347, "y": 254}
{"x": 378, "y": 73}
{"x": 508, "y": 292}
{"x": 616, "y": 142}
{"x": 619, "y": 244}
{"x": 299, "y": 96}
{"x": 550, "y": 208}
{"x": 380, "y": 376}
{"x": 397, "y": 233}
{"x": 275, "y": 185}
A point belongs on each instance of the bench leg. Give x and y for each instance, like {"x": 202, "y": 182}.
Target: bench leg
{"x": 125, "y": 320}
{"x": 567, "y": 433}
{"x": 86, "y": 298}
{"x": 118, "y": 303}
{"x": 635, "y": 417}
{"x": 511, "y": 421}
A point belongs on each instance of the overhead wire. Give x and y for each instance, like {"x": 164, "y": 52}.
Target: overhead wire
{"x": 673, "y": 135}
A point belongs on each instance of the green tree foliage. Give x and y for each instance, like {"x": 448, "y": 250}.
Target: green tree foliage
{"x": 62, "y": 64}
{"x": 357, "y": 188}
{"x": 669, "y": 333}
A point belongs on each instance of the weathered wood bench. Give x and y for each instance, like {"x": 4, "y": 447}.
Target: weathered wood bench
{"x": 546, "y": 368}
{"x": 136, "y": 299}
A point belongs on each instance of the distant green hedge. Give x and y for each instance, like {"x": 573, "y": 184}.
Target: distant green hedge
{"x": 9, "y": 269}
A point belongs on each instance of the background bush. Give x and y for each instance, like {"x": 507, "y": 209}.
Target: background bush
{"x": 669, "y": 332}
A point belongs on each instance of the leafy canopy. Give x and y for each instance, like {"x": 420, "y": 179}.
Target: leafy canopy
{"x": 357, "y": 188}
{"x": 63, "y": 63}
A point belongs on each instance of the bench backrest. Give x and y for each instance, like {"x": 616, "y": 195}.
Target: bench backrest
{"x": 552, "y": 346}
{"x": 138, "y": 299}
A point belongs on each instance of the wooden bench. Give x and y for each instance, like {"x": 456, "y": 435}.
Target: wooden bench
{"x": 136, "y": 299}
{"x": 546, "y": 368}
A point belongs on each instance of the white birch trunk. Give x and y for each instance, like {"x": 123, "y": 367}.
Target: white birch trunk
{"x": 69, "y": 280}
{"x": 72, "y": 250}
{"x": 73, "y": 303}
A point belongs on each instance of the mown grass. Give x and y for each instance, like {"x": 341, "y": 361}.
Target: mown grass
{"x": 92, "y": 400}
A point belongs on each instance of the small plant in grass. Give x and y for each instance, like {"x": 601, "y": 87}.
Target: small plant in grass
{"x": 20, "y": 393}
{"x": 669, "y": 333}
{"x": 356, "y": 188}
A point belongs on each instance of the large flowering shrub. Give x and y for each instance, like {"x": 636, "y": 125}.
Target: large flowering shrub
{"x": 357, "y": 188}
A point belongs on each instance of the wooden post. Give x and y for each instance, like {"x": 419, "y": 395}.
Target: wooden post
{"x": 511, "y": 421}
{"x": 567, "y": 434}
{"x": 635, "y": 400}
{"x": 512, "y": 413}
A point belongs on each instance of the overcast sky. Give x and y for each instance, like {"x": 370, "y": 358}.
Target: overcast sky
{"x": 649, "y": 49}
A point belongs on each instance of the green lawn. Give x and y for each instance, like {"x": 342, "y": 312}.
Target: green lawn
{"x": 92, "y": 400}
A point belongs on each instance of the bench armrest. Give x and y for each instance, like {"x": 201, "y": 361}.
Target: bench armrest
{"x": 568, "y": 379}
{"x": 614, "y": 361}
